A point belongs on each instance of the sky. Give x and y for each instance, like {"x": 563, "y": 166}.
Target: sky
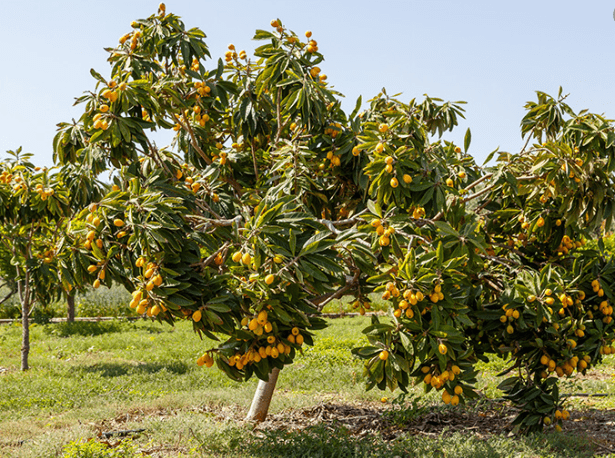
{"x": 492, "y": 54}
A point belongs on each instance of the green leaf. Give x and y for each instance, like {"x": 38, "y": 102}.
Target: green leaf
{"x": 466, "y": 140}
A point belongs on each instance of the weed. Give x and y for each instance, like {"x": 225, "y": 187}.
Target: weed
{"x": 405, "y": 409}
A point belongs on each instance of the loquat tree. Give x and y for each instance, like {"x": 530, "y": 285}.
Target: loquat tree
{"x": 272, "y": 201}
{"x": 32, "y": 205}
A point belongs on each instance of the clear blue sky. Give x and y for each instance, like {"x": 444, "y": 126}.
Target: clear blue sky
{"x": 492, "y": 54}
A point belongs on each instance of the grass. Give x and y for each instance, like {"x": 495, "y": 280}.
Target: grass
{"x": 86, "y": 376}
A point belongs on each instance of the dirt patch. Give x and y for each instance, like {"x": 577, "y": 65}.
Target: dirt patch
{"x": 486, "y": 419}
{"x": 482, "y": 419}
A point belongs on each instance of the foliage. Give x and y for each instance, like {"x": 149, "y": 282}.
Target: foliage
{"x": 94, "y": 449}
{"x": 274, "y": 201}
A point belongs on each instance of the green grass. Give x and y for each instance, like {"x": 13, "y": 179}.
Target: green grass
{"x": 85, "y": 376}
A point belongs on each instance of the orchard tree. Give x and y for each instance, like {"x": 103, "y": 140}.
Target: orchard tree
{"x": 272, "y": 201}
{"x": 31, "y": 207}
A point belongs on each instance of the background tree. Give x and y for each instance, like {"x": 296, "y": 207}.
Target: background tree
{"x": 273, "y": 201}
{"x": 32, "y": 204}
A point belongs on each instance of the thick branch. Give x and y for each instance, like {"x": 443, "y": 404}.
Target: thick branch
{"x": 186, "y": 125}
{"x": 211, "y": 258}
{"x": 8, "y": 296}
{"x": 323, "y": 300}
{"x": 332, "y": 225}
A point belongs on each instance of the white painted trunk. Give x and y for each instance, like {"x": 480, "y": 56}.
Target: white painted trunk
{"x": 262, "y": 397}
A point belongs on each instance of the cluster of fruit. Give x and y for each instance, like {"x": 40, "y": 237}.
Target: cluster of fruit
{"x": 567, "y": 244}
{"x": 384, "y": 234}
{"x": 131, "y": 38}
{"x": 565, "y": 367}
{"x": 403, "y": 303}
{"x": 262, "y": 329}
{"x": 246, "y": 259}
{"x": 438, "y": 380}
{"x": 144, "y": 304}
{"x": 231, "y": 54}
{"x": 199, "y": 117}
{"x": 333, "y": 130}
{"x": 558, "y": 416}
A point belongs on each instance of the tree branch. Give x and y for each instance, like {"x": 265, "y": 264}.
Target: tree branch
{"x": 193, "y": 142}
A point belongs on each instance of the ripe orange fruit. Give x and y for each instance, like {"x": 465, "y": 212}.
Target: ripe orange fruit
{"x": 269, "y": 279}
{"x": 394, "y": 183}
{"x": 196, "y": 316}
{"x": 442, "y": 349}
{"x": 383, "y": 355}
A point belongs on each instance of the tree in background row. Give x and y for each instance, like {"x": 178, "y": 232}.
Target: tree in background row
{"x": 272, "y": 201}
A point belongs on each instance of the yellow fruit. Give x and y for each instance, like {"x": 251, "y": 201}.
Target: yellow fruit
{"x": 92, "y": 268}
{"x": 442, "y": 349}
{"x": 458, "y": 390}
{"x": 261, "y": 318}
{"x": 394, "y": 183}
{"x": 540, "y": 222}
{"x": 299, "y": 339}
{"x": 149, "y": 286}
{"x": 277, "y": 259}
{"x": 96, "y": 283}
{"x": 118, "y": 222}
{"x": 455, "y": 400}
{"x": 236, "y": 256}
{"x": 461, "y": 175}
{"x": 446, "y": 397}
{"x": 383, "y": 128}
{"x": 383, "y": 355}
{"x": 457, "y": 149}
{"x": 547, "y": 421}
{"x": 91, "y": 235}
{"x": 156, "y": 310}
{"x": 407, "y": 178}
{"x": 565, "y": 415}
{"x": 196, "y": 316}
{"x": 246, "y": 258}
{"x": 157, "y": 280}
{"x": 295, "y": 331}
{"x": 379, "y": 148}
{"x": 269, "y": 279}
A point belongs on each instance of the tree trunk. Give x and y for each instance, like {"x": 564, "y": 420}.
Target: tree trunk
{"x": 262, "y": 397}
{"x": 24, "y": 294}
{"x": 70, "y": 303}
